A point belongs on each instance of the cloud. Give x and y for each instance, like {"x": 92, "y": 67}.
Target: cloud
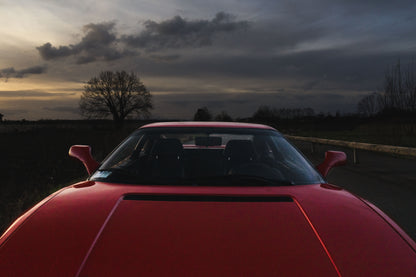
{"x": 178, "y": 32}
{"x": 48, "y": 52}
{"x": 101, "y": 41}
{"x": 321, "y": 67}
{"x": 11, "y": 112}
{"x": 33, "y": 93}
{"x": 282, "y": 47}
{"x": 165, "y": 58}
{"x": 98, "y": 43}
{"x": 67, "y": 109}
{"x": 43, "y": 108}
{"x": 40, "y": 69}
{"x": 10, "y": 72}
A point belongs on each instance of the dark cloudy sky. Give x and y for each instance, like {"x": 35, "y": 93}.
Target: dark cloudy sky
{"x": 227, "y": 55}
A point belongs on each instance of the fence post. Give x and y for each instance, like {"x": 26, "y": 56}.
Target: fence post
{"x": 355, "y": 156}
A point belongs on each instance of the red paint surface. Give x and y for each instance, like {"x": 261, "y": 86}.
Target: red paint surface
{"x": 83, "y": 153}
{"x": 318, "y": 237}
{"x": 332, "y": 159}
{"x": 160, "y": 238}
{"x": 216, "y": 238}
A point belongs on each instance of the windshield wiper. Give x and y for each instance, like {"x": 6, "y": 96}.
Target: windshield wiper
{"x": 119, "y": 170}
{"x": 117, "y": 174}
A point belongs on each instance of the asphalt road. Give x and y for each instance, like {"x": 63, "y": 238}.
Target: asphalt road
{"x": 386, "y": 181}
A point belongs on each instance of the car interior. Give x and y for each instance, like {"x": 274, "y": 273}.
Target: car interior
{"x": 169, "y": 158}
{"x": 166, "y": 158}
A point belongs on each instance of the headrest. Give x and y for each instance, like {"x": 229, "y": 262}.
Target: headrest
{"x": 168, "y": 147}
{"x": 239, "y": 149}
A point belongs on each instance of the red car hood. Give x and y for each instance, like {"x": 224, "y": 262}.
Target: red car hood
{"x": 97, "y": 229}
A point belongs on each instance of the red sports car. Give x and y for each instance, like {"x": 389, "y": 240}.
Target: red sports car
{"x": 205, "y": 199}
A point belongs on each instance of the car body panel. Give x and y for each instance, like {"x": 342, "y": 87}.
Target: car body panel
{"x": 360, "y": 243}
{"x": 58, "y": 235}
{"x": 210, "y": 238}
{"x": 71, "y": 230}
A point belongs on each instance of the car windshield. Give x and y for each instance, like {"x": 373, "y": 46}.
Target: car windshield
{"x": 201, "y": 156}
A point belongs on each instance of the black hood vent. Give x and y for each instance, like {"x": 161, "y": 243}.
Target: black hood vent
{"x": 207, "y": 198}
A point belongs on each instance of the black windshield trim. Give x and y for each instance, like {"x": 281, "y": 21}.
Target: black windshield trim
{"x": 206, "y": 198}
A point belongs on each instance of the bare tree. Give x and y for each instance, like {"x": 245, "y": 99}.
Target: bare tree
{"x": 290, "y": 113}
{"x": 223, "y": 116}
{"x": 266, "y": 114}
{"x": 410, "y": 87}
{"x": 369, "y": 105}
{"x": 203, "y": 114}
{"x": 399, "y": 89}
{"x": 116, "y": 94}
{"x": 398, "y": 95}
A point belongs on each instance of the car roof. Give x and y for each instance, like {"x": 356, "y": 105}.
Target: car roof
{"x": 208, "y": 124}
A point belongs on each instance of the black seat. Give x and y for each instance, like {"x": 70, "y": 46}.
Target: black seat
{"x": 238, "y": 152}
{"x": 167, "y": 159}
{"x": 264, "y": 153}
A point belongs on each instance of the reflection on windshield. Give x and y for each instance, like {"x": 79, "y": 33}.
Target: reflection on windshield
{"x": 201, "y": 156}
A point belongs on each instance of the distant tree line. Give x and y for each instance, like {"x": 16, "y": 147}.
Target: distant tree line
{"x": 398, "y": 95}
{"x": 264, "y": 114}
{"x": 203, "y": 114}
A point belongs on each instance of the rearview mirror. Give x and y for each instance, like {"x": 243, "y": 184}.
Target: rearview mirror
{"x": 332, "y": 159}
{"x": 83, "y": 153}
{"x": 208, "y": 141}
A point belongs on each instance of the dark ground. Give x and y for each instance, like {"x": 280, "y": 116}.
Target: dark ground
{"x": 34, "y": 159}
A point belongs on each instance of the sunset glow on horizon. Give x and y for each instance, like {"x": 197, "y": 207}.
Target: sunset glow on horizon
{"x": 233, "y": 55}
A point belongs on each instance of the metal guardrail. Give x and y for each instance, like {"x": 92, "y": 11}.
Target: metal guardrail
{"x": 395, "y": 150}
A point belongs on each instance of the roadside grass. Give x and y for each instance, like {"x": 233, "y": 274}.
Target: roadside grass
{"x": 386, "y": 133}
{"x": 35, "y": 163}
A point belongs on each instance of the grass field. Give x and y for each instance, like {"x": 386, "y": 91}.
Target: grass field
{"x": 34, "y": 160}
{"x": 385, "y": 131}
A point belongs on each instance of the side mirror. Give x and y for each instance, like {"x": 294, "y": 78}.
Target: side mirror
{"x": 332, "y": 159}
{"x": 83, "y": 153}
